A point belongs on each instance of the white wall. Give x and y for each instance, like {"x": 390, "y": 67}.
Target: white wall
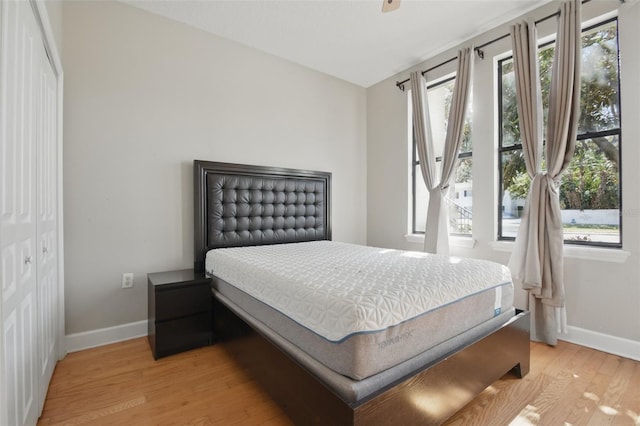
{"x": 144, "y": 97}
{"x": 602, "y": 297}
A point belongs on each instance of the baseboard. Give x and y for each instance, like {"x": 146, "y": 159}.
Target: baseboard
{"x": 603, "y": 342}
{"x": 592, "y": 339}
{"x": 104, "y": 336}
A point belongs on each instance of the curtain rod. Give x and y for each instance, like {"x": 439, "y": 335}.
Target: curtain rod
{"x": 400, "y": 84}
{"x": 546, "y": 18}
{"x": 478, "y": 49}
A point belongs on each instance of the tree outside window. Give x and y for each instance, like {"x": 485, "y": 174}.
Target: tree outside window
{"x": 590, "y": 196}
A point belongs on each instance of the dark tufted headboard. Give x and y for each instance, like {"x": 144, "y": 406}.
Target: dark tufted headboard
{"x": 243, "y": 205}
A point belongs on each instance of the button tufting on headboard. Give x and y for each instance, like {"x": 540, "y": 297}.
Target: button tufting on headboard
{"x": 256, "y": 210}
{"x": 237, "y": 205}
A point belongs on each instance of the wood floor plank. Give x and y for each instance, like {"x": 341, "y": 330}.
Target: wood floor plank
{"x": 505, "y": 404}
{"x": 631, "y": 401}
{"x": 498, "y": 406}
{"x": 574, "y": 399}
{"x": 568, "y": 385}
{"x": 121, "y": 384}
{"x": 609, "y": 407}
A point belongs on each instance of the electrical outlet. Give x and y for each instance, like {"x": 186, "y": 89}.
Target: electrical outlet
{"x": 127, "y": 280}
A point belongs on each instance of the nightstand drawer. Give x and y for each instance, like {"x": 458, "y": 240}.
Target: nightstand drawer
{"x": 179, "y": 311}
{"x": 179, "y": 302}
{"x": 182, "y": 334}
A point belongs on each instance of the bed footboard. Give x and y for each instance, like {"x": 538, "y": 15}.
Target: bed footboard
{"x": 427, "y": 396}
{"x": 434, "y": 394}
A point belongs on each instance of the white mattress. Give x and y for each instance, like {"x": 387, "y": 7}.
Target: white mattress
{"x": 337, "y": 290}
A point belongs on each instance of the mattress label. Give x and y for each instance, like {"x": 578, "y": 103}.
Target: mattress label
{"x": 394, "y": 340}
{"x": 498, "y": 302}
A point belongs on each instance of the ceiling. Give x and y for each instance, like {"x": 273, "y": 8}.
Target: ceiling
{"x": 348, "y": 39}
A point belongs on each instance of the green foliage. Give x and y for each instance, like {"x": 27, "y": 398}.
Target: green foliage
{"x": 465, "y": 169}
{"x": 599, "y": 85}
{"x": 510, "y": 122}
{"x": 592, "y": 181}
{"x": 513, "y": 166}
{"x": 520, "y": 185}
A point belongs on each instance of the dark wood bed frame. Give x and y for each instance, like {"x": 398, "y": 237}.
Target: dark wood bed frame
{"x": 429, "y": 395}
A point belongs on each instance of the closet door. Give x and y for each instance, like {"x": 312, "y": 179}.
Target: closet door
{"x": 21, "y": 50}
{"x": 47, "y": 282}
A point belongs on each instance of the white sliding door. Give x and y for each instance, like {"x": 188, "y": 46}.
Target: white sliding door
{"x": 21, "y": 50}
{"x": 28, "y": 215}
{"x": 47, "y": 283}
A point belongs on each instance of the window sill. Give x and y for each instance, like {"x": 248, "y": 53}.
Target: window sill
{"x": 454, "y": 241}
{"x": 575, "y": 252}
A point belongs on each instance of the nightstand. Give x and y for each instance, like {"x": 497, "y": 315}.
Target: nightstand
{"x": 180, "y": 311}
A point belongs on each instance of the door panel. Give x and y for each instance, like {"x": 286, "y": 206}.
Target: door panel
{"x": 46, "y": 226}
{"x": 10, "y": 339}
{"x": 22, "y": 52}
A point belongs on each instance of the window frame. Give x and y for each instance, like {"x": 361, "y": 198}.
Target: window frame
{"x": 416, "y": 161}
{"x": 584, "y": 136}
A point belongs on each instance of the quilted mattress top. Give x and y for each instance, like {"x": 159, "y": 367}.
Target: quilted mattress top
{"x": 338, "y": 289}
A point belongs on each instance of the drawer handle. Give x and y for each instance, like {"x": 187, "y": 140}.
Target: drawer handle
{"x": 27, "y": 260}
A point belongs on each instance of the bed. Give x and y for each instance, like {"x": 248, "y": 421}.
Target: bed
{"x": 273, "y": 215}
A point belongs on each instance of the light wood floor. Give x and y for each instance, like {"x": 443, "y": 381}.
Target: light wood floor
{"x": 121, "y": 384}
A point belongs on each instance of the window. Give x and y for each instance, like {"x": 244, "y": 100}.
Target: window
{"x": 459, "y": 199}
{"x": 590, "y": 196}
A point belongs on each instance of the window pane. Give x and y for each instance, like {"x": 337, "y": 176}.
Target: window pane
{"x": 509, "y": 103}
{"x": 461, "y": 199}
{"x": 421, "y": 199}
{"x": 515, "y": 185}
{"x": 599, "y": 87}
{"x": 509, "y": 108}
{"x": 439, "y": 105}
{"x": 440, "y": 98}
{"x": 590, "y": 192}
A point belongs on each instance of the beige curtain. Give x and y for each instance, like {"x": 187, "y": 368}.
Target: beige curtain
{"x": 437, "y": 229}
{"x": 537, "y": 259}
